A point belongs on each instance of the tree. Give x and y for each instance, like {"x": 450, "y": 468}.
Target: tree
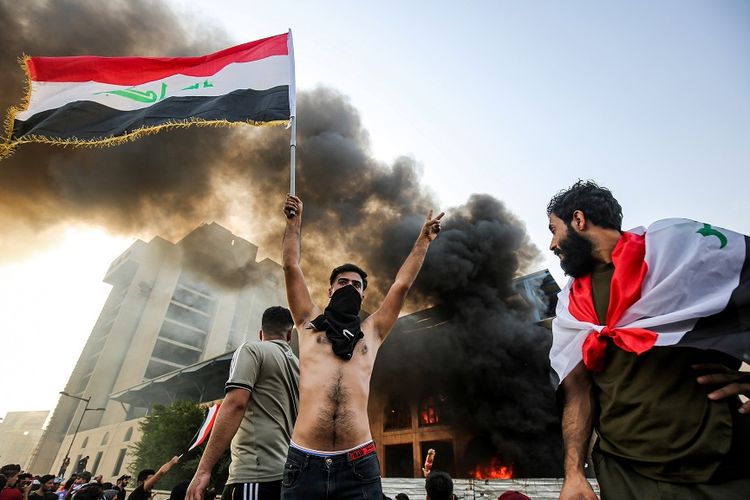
{"x": 167, "y": 432}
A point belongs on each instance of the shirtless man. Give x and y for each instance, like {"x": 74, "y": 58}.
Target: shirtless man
{"x": 332, "y": 454}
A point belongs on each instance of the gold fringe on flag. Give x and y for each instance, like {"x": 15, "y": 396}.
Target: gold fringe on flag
{"x": 8, "y": 146}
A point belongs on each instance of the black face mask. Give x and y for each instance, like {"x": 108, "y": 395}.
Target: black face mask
{"x": 579, "y": 254}
{"x": 341, "y": 321}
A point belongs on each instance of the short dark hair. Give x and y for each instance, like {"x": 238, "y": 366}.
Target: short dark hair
{"x": 439, "y": 485}
{"x": 402, "y": 496}
{"x": 46, "y": 477}
{"x": 10, "y": 470}
{"x": 89, "y": 491}
{"x": 346, "y": 268}
{"x": 143, "y": 475}
{"x": 276, "y": 320}
{"x": 596, "y": 203}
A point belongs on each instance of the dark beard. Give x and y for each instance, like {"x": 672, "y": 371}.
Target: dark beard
{"x": 579, "y": 254}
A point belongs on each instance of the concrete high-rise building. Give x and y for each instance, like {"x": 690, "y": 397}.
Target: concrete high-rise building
{"x": 171, "y": 306}
{"x": 19, "y": 434}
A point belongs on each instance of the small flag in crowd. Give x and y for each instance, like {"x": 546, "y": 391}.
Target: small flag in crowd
{"x": 101, "y": 101}
{"x": 206, "y": 427}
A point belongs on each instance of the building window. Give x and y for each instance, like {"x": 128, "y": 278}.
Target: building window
{"x": 397, "y": 415}
{"x": 85, "y": 442}
{"x": 105, "y": 439}
{"x": 118, "y": 463}
{"x": 432, "y": 411}
{"x": 96, "y": 463}
{"x": 128, "y": 434}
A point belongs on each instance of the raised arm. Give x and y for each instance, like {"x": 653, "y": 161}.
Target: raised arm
{"x": 297, "y": 295}
{"x": 149, "y": 483}
{"x": 577, "y": 421}
{"x": 385, "y": 317}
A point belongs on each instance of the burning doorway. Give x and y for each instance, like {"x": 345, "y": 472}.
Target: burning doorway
{"x": 483, "y": 461}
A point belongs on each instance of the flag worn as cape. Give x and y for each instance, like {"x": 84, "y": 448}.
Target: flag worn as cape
{"x": 97, "y": 101}
{"x": 205, "y": 429}
{"x": 679, "y": 282}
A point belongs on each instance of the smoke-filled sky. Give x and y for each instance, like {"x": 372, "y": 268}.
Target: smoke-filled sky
{"x": 402, "y": 107}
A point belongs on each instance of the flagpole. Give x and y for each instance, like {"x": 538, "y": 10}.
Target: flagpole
{"x": 292, "y": 119}
{"x": 293, "y": 156}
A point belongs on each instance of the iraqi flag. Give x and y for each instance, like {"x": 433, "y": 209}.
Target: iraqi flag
{"x": 205, "y": 429}
{"x": 96, "y": 101}
{"x": 679, "y": 282}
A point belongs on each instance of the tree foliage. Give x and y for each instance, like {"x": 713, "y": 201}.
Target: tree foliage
{"x": 167, "y": 432}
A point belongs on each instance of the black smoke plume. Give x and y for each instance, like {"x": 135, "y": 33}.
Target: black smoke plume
{"x": 484, "y": 355}
{"x": 491, "y": 360}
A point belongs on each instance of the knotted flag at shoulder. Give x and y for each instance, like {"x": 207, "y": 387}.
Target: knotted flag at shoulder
{"x": 102, "y": 101}
{"x": 677, "y": 283}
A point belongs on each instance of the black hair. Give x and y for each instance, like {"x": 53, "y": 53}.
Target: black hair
{"x": 596, "y": 203}
{"x": 346, "y": 268}
{"x": 439, "y": 485}
{"x": 180, "y": 490}
{"x": 10, "y": 470}
{"x": 70, "y": 481}
{"x": 276, "y": 320}
{"x": 143, "y": 475}
{"x": 46, "y": 478}
{"x": 89, "y": 491}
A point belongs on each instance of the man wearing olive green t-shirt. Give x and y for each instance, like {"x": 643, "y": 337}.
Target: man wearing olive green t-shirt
{"x": 669, "y": 421}
{"x": 257, "y": 415}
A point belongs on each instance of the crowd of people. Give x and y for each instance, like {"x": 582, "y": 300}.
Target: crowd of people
{"x": 16, "y": 484}
{"x": 640, "y": 354}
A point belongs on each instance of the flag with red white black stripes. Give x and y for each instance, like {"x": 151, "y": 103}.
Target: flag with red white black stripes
{"x": 679, "y": 282}
{"x": 96, "y": 101}
{"x": 206, "y": 426}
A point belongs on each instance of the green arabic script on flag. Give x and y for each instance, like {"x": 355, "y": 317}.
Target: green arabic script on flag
{"x": 150, "y": 96}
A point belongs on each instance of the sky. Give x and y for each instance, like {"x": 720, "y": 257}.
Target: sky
{"x": 515, "y": 99}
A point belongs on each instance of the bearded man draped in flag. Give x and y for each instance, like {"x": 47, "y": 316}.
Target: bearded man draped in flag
{"x": 648, "y": 338}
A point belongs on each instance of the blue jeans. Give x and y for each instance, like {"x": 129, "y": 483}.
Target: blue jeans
{"x": 313, "y": 477}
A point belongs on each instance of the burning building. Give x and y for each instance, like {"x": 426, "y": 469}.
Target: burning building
{"x": 419, "y": 400}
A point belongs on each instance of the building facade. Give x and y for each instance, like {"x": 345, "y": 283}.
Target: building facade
{"x": 20, "y": 432}
{"x": 172, "y": 305}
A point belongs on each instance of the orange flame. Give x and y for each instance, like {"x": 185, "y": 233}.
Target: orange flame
{"x": 493, "y": 471}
